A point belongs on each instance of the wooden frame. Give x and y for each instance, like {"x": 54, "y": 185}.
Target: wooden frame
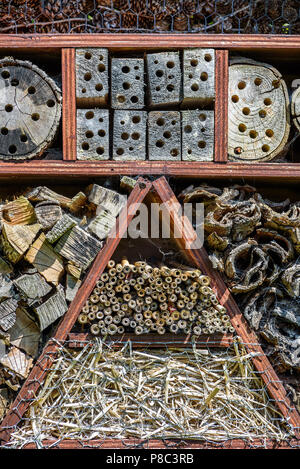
{"x": 162, "y": 193}
{"x": 220, "y": 168}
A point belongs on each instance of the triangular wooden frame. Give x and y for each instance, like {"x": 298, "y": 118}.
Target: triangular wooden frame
{"x": 157, "y": 191}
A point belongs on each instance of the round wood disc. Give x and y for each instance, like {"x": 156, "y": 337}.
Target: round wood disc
{"x": 258, "y": 111}
{"x": 30, "y": 110}
{"x": 295, "y": 108}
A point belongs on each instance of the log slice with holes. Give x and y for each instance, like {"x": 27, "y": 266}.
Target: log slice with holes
{"x": 30, "y": 110}
{"x": 295, "y": 108}
{"x": 258, "y": 120}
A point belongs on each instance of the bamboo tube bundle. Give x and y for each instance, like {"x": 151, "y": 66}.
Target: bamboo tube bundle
{"x": 144, "y": 298}
{"x": 170, "y": 393}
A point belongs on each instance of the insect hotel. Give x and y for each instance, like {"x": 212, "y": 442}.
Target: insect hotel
{"x": 108, "y": 338}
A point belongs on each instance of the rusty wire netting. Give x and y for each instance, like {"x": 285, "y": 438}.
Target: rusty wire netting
{"x": 99, "y": 392}
{"x": 156, "y": 16}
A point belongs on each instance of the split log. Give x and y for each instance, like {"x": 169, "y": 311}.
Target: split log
{"x": 74, "y": 270}
{"x": 8, "y": 310}
{"x": 61, "y": 227}
{"x": 16, "y": 239}
{"x": 106, "y": 199}
{"x": 5, "y": 268}
{"x": 17, "y": 362}
{"x": 259, "y": 119}
{"x": 32, "y": 287}
{"x": 52, "y": 309}
{"x": 19, "y": 212}
{"x": 25, "y": 333}
{"x": 102, "y": 225}
{"x": 48, "y": 213}
{"x": 78, "y": 246}
{"x": 44, "y": 194}
{"x": 127, "y": 183}
{"x": 45, "y": 260}
{"x": 30, "y": 111}
{"x": 295, "y": 108}
{"x": 72, "y": 286}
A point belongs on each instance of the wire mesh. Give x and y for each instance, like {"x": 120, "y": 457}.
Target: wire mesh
{"x": 150, "y": 16}
{"x": 114, "y": 391}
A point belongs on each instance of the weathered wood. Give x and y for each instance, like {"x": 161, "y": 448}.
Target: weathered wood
{"x": 164, "y": 78}
{"x": 129, "y": 135}
{"x": 72, "y": 286}
{"x": 197, "y": 135}
{"x": 25, "y": 333}
{"x": 92, "y": 134}
{"x": 78, "y": 246}
{"x": 31, "y": 109}
{"x": 91, "y": 77}
{"x": 295, "y": 108}
{"x": 45, "y": 260}
{"x": 4, "y": 402}
{"x": 5, "y": 268}
{"x": 61, "y": 226}
{"x": 8, "y": 310}
{"x": 19, "y": 212}
{"x": 198, "y": 76}
{"x": 6, "y": 290}
{"x": 32, "y": 286}
{"x": 44, "y": 194}
{"x": 106, "y": 199}
{"x": 52, "y": 309}
{"x": 48, "y": 213}
{"x": 259, "y": 119}
{"x": 221, "y": 106}
{"x": 16, "y": 239}
{"x": 164, "y": 135}
{"x": 17, "y": 362}
{"x": 69, "y": 104}
{"x": 127, "y": 83}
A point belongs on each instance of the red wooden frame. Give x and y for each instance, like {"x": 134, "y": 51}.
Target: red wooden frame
{"x": 198, "y": 257}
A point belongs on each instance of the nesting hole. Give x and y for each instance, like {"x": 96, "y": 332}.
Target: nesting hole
{"x": 136, "y": 119}
{"x": 160, "y": 121}
{"x": 101, "y": 68}
{"x": 257, "y": 81}
{"x": 188, "y": 129}
{"x": 83, "y": 90}
{"x": 241, "y": 85}
{"x": 253, "y": 134}
{"x": 35, "y": 116}
{"x": 174, "y": 152}
{"x": 50, "y": 103}
{"x": 121, "y": 99}
{"x": 203, "y": 76}
{"x": 207, "y": 58}
{"x": 134, "y": 99}
{"x": 201, "y": 144}
{"x": 4, "y": 131}
{"x": 87, "y": 76}
{"x": 23, "y": 138}
{"x": 246, "y": 111}
{"x": 88, "y": 55}
{"x": 265, "y": 148}
{"x": 5, "y": 74}
{"x": 12, "y": 149}
{"x": 135, "y": 136}
{"x": 99, "y": 87}
{"x": 159, "y": 73}
{"x": 100, "y": 150}
{"x": 89, "y": 115}
{"x": 120, "y": 151}
{"x": 160, "y": 143}
{"x": 269, "y": 133}
{"x": 125, "y": 69}
{"x": 157, "y": 88}
{"x": 14, "y": 82}
{"x": 89, "y": 134}
{"x": 8, "y": 108}
{"x": 85, "y": 146}
{"x": 126, "y": 85}
{"x": 125, "y": 136}
{"x": 167, "y": 134}
{"x": 194, "y": 87}
{"x": 267, "y": 101}
{"x": 238, "y": 150}
{"x": 101, "y": 133}
{"x": 262, "y": 113}
{"x": 242, "y": 128}
{"x": 194, "y": 62}
{"x": 170, "y": 64}
{"x": 235, "y": 98}
{"x": 202, "y": 117}
{"x": 31, "y": 90}
{"x": 170, "y": 88}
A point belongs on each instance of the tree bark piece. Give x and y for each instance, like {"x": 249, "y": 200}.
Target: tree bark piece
{"x": 32, "y": 286}
{"x": 30, "y": 110}
{"x": 259, "y": 121}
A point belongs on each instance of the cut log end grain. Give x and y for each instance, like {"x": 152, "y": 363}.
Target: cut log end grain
{"x": 258, "y": 113}
{"x": 30, "y": 110}
{"x": 295, "y": 108}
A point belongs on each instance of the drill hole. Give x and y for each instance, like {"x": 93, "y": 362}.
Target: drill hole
{"x": 85, "y": 146}
{"x": 191, "y": 75}
{"x": 134, "y": 99}
{"x": 159, "y": 73}
{"x": 173, "y": 122}
{"x": 207, "y": 58}
{"x": 31, "y": 90}
{"x": 87, "y": 76}
{"x": 5, "y": 74}
{"x": 14, "y": 82}
{"x": 136, "y": 67}
{"x": 35, "y": 116}
{"x": 160, "y": 143}
{"x": 101, "y": 68}
{"x": 276, "y": 83}
{"x": 23, "y": 138}
{"x": 12, "y": 149}
{"x": 126, "y": 85}
{"x": 246, "y": 111}
{"x": 194, "y": 87}
{"x": 238, "y": 150}
{"x": 170, "y": 64}
{"x": 101, "y": 133}
{"x": 120, "y": 151}
{"x": 170, "y": 88}
{"x": 135, "y": 136}
{"x": 100, "y": 150}
{"x": 4, "y": 131}
{"x": 8, "y": 108}
{"x": 157, "y": 88}
{"x": 50, "y": 103}
{"x": 121, "y": 99}
{"x": 267, "y": 101}
{"x": 136, "y": 119}
{"x": 125, "y": 136}
{"x": 257, "y": 81}
{"x": 89, "y": 134}
{"x": 265, "y": 148}
{"x": 137, "y": 77}
{"x": 253, "y": 134}
{"x": 167, "y": 134}
{"x": 202, "y": 117}
{"x": 262, "y": 113}
{"x": 194, "y": 62}
{"x": 242, "y": 128}
{"x": 160, "y": 121}
{"x": 235, "y": 98}
{"x": 241, "y": 85}
{"x": 88, "y": 55}
{"x": 89, "y": 115}
{"x": 201, "y": 144}
{"x": 125, "y": 69}
{"x": 269, "y": 133}
{"x": 188, "y": 129}
{"x": 101, "y": 57}
{"x": 83, "y": 90}
{"x": 100, "y": 119}
{"x": 156, "y": 62}
{"x": 122, "y": 122}
{"x": 189, "y": 152}
{"x": 204, "y": 76}
{"x": 174, "y": 152}
{"x": 130, "y": 148}
{"x": 99, "y": 87}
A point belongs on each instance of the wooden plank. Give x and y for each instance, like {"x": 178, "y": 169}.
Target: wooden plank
{"x": 170, "y": 445}
{"x": 79, "y": 340}
{"x": 151, "y": 41}
{"x": 39, "y": 371}
{"x": 69, "y": 104}
{"x": 200, "y": 259}
{"x": 221, "y": 106}
{"x": 185, "y": 169}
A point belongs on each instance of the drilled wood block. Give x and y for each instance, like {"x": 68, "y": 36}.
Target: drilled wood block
{"x": 30, "y": 110}
{"x": 91, "y": 77}
{"x": 258, "y": 111}
{"x": 127, "y": 83}
{"x": 129, "y": 135}
{"x": 197, "y": 135}
{"x": 198, "y": 76}
{"x": 164, "y": 79}
{"x": 164, "y": 135}
{"x": 92, "y": 134}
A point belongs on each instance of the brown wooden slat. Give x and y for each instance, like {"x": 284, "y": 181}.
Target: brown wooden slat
{"x": 134, "y": 41}
{"x": 69, "y": 104}
{"x": 200, "y": 258}
{"x": 79, "y": 340}
{"x": 221, "y": 106}
{"x": 171, "y": 444}
{"x": 64, "y": 169}
{"x": 38, "y": 373}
